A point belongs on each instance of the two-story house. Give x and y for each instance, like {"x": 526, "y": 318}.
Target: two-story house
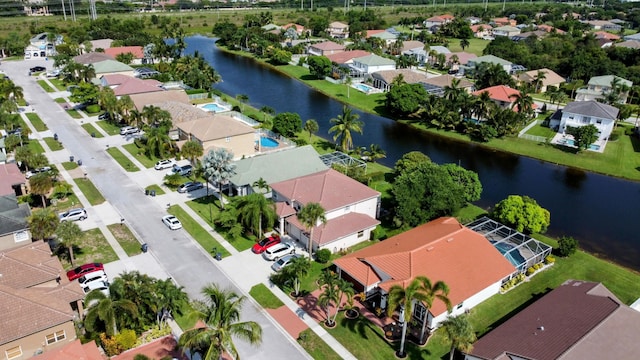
{"x": 351, "y": 209}
{"x": 502, "y": 95}
{"x": 14, "y": 227}
{"x": 582, "y": 113}
{"x": 338, "y": 30}
{"x": 372, "y": 63}
{"x": 325, "y": 48}
{"x": 42, "y": 45}
{"x": 599, "y": 87}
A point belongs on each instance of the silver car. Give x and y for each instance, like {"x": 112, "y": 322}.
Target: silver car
{"x": 73, "y": 215}
{"x": 284, "y": 261}
{"x": 277, "y": 251}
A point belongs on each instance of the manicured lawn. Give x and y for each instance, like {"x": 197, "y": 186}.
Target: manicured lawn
{"x": 155, "y": 188}
{"x": 93, "y": 248}
{"x": 91, "y": 130}
{"x": 70, "y": 202}
{"x": 69, "y": 165}
{"x": 183, "y": 318}
{"x": 124, "y": 161}
{"x": 140, "y": 155}
{"x": 316, "y": 347}
{"x": 54, "y": 145}
{"x": 60, "y": 100}
{"x": 36, "y": 122}
{"x": 196, "y": 231}
{"x": 45, "y": 86}
{"x": 90, "y": 191}
{"x": 59, "y": 84}
{"x": 108, "y": 127}
{"x": 125, "y": 238}
{"x": 476, "y": 46}
{"x": 544, "y": 131}
{"x": 265, "y": 297}
{"x": 207, "y": 208}
{"x": 74, "y": 114}
{"x": 35, "y": 146}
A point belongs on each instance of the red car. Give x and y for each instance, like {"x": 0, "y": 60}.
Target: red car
{"x": 84, "y": 269}
{"x": 263, "y": 245}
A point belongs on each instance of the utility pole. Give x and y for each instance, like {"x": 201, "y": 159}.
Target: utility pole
{"x": 92, "y": 10}
{"x": 63, "y": 11}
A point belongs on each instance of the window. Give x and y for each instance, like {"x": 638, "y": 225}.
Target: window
{"x": 459, "y": 306}
{"x": 14, "y": 353}
{"x": 598, "y": 121}
{"x": 360, "y": 234}
{"x": 55, "y": 337}
{"x": 21, "y": 236}
{"x": 227, "y": 139}
{"x": 419, "y": 312}
{"x": 347, "y": 208}
{"x": 586, "y": 119}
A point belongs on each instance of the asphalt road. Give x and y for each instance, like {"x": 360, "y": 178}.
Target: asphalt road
{"x": 175, "y": 250}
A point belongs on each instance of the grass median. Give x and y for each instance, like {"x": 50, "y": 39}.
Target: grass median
{"x": 265, "y": 297}
{"x": 92, "y": 130}
{"x": 45, "y": 86}
{"x": 90, "y": 191}
{"x": 139, "y": 154}
{"x": 37, "y": 123}
{"x": 125, "y": 238}
{"x": 196, "y": 231}
{"x": 108, "y": 127}
{"x": 121, "y": 159}
{"x": 53, "y": 144}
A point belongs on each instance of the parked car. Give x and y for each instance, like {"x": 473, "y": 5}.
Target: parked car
{"x": 84, "y": 269}
{"x": 97, "y": 285}
{"x": 284, "y": 261}
{"x": 190, "y": 186}
{"x": 128, "y": 130}
{"x": 277, "y": 251}
{"x": 73, "y": 215}
{"x": 53, "y": 73}
{"x": 30, "y": 173}
{"x": 184, "y": 170}
{"x": 37, "y": 69}
{"x": 264, "y": 244}
{"x": 99, "y": 275}
{"x": 164, "y": 164}
{"x": 172, "y": 222}
{"x": 105, "y": 116}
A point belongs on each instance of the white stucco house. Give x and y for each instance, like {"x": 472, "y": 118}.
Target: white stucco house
{"x": 372, "y": 63}
{"x": 582, "y": 113}
{"x": 42, "y": 46}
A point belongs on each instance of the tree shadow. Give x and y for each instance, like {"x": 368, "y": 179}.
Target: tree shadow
{"x": 325, "y": 145}
{"x": 308, "y": 77}
{"x": 565, "y": 149}
{"x": 635, "y": 142}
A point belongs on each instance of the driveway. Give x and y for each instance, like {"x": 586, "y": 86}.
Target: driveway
{"x": 187, "y": 263}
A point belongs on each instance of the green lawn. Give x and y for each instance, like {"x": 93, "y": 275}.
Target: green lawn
{"x": 65, "y": 204}
{"x": 207, "y": 208}
{"x": 35, "y": 146}
{"x": 124, "y": 161}
{"x": 316, "y": 347}
{"x": 196, "y": 231}
{"x": 36, "y": 122}
{"x": 108, "y": 127}
{"x": 156, "y": 188}
{"x": 69, "y": 165}
{"x": 544, "y": 131}
{"x": 59, "y": 84}
{"x": 93, "y": 248}
{"x": 265, "y": 297}
{"x": 140, "y": 155}
{"x": 45, "y": 86}
{"x": 125, "y": 238}
{"x": 54, "y": 145}
{"x": 183, "y": 318}
{"x": 60, "y": 100}
{"x": 74, "y": 114}
{"x": 92, "y": 130}
{"x": 90, "y": 191}
{"x": 476, "y": 46}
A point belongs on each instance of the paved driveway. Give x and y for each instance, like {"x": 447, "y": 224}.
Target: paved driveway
{"x": 182, "y": 259}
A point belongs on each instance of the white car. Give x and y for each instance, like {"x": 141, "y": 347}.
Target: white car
{"x": 128, "y": 130}
{"x": 91, "y": 277}
{"x": 284, "y": 261}
{"x": 30, "y": 173}
{"x": 96, "y": 285}
{"x": 172, "y": 222}
{"x": 73, "y": 215}
{"x": 164, "y": 164}
{"x": 277, "y": 251}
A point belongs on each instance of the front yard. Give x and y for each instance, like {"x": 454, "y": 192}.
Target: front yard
{"x": 94, "y": 248}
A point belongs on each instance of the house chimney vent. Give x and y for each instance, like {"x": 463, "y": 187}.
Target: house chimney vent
{"x": 541, "y": 328}
{"x": 430, "y": 248}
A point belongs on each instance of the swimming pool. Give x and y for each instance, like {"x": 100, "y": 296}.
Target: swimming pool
{"x": 571, "y": 142}
{"x": 364, "y": 88}
{"x": 514, "y": 257}
{"x": 268, "y": 142}
{"x": 213, "y": 107}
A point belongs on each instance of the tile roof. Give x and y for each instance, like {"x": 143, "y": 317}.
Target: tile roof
{"x": 476, "y": 28}
{"x": 463, "y": 57}
{"x": 28, "y": 266}
{"x": 10, "y": 175}
{"x": 338, "y": 25}
{"x": 373, "y": 32}
{"x": 338, "y": 228}
{"x": 499, "y": 92}
{"x": 328, "y": 45}
{"x": 577, "y": 320}
{"x": 410, "y": 76}
{"x": 213, "y": 127}
{"x": 385, "y": 35}
{"x": 137, "y": 51}
{"x": 110, "y": 66}
{"x": 491, "y": 59}
{"x": 278, "y": 166}
{"x": 13, "y": 216}
{"x": 181, "y": 112}
{"x": 631, "y": 44}
{"x": 345, "y": 56}
{"x": 114, "y": 79}
{"x": 592, "y": 108}
{"x": 137, "y": 86}
{"x": 91, "y": 58}
{"x": 412, "y": 44}
{"x": 551, "y": 77}
{"x": 445, "y": 80}
{"x": 442, "y": 250}
{"x": 605, "y": 35}
{"x": 607, "y": 80}
{"x": 330, "y": 188}
{"x": 75, "y": 350}
{"x": 374, "y": 60}
{"x": 166, "y": 98}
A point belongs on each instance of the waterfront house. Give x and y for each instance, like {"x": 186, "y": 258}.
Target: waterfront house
{"x": 502, "y": 95}
{"x": 576, "y": 320}
{"x": 372, "y": 63}
{"x": 437, "y": 84}
{"x": 127, "y": 85}
{"x": 325, "y": 48}
{"x": 582, "y": 113}
{"x": 599, "y": 86}
{"x": 136, "y": 51}
{"x": 384, "y": 79}
{"x": 351, "y": 209}
{"x": 218, "y": 131}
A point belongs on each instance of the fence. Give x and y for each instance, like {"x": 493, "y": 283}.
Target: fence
{"x": 198, "y": 96}
{"x": 523, "y": 133}
{"x": 281, "y": 139}
{"x": 244, "y": 118}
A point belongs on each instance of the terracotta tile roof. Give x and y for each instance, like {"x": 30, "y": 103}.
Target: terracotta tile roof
{"x": 374, "y": 32}
{"x": 91, "y": 58}
{"x": 283, "y": 209}
{"x": 328, "y": 46}
{"x": 463, "y": 57}
{"x": 345, "y": 56}
{"x": 442, "y": 250}
{"x": 157, "y": 98}
{"x": 165, "y": 347}
{"x": 75, "y": 350}
{"x": 115, "y": 79}
{"x": 137, "y": 86}
{"x": 137, "y": 51}
{"x": 476, "y": 28}
{"x": 10, "y": 175}
{"x": 213, "y": 127}
{"x": 605, "y": 35}
{"x": 330, "y": 188}
{"x": 338, "y": 228}
{"x": 28, "y": 266}
{"x": 551, "y": 77}
{"x": 499, "y": 92}
{"x": 445, "y": 80}
{"x": 577, "y": 320}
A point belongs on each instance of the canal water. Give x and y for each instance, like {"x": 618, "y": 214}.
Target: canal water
{"x": 599, "y": 211}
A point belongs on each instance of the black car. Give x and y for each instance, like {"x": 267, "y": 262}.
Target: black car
{"x": 37, "y": 69}
{"x": 104, "y": 116}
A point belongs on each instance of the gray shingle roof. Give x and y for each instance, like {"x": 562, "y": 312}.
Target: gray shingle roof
{"x": 13, "y": 216}
{"x": 592, "y": 108}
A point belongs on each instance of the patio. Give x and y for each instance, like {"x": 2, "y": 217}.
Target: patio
{"x": 568, "y": 141}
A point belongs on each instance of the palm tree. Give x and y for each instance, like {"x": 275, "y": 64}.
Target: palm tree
{"x": 297, "y": 268}
{"x": 483, "y": 105}
{"x": 192, "y": 150}
{"x": 218, "y": 166}
{"x": 261, "y": 184}
{"x": 523, "y": 102}
{"x": 438, "y": 290}
{"x": 348, "y": 81}
{"x": 267, "y": 110}
{"x": 69, "y": 232}
{"x": 404, "y": 299}
{"x": 107, "y": 312}
{"x": 220, "y": 312}
{"x": 460, "y": 333}
{"x": 108, "y": 101}
{"x": 254, "y": 210}
{"x": 243, "y": 98}
{"x": 311, "y": 126}
{"x": 344, "y": 125}
{"x": 464, "y": 43}
{"x": 41, "y": 184}
{"x": 125, "y": 105}
{"x": 43, "y": 223}
{"x": 157, "y": 142}
{"x": 375, "y": 153}
{"x": 309, "y": 216}
{"x": 540, "y": 76}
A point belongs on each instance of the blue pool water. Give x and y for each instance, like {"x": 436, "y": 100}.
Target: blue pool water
{"x": 514, "y": 257}
{"x": 572, "y": 143}
{"x": 268, "y": 142}
{"x": 364, "y": 88}
{"x": 213, "y": 107}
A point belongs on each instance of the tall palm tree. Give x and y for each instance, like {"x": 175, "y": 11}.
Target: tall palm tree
{"x": 311, "y": 126}
{"x": 309, "y": 216}
{"x": 243, "y": 98}
{"x": 41, "y": 184}
{"x": 375, "y": 153}
{"x": 464, "y": 43}
{"x": 460, "y": 333}
{"x": 523, "y": 102}
{"x": 540, "y": 76}
{"x": 348, "y": 81}
{"x": 69, "y": 233}
{"x": 43, "y": 223}
{"x": 254, "y": 210}
{"x": 157, "y": 142}
{"x": 404, "y": 299}
{"x": 297, "y": 268}
{"x": 261, "y": 184}
{"x": 218, "y": 166}
{"x": 125, "y": 105}
{"x": 343, "y": 126}
{"x": 106, "y": 312}
{"x": 483, "y": 105}
{"x": 220, "y": 312}
{"x": 192, "y": 150}
{"x": 438, "y": 290}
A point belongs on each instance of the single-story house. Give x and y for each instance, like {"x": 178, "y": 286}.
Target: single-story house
{"x": 458, "y": 58}
{"x": 338, "y": 30}
{"x": 576, "y": 320}
{"x": 537, "y": 34}
{"x": 502, "y": 95}
{"x": 219, "y": 131}
{"x": 599, "y": 86}
{"x": 164, "y": 100}
{"x": 351, "y": 209}
{"x": 582, "y": 113}
{"x": 630, "y": 44}
{"x": 635, "y": 36}
{"x": 39, "y": 304}
{"x": 384, "y": 79}
{"x": 550, "y": 29}
{"x": 508, "y": 31}
{"x": 411, "y": 45}
{"x": 551, "y": 78}
{"x": 491, "y": 59}
{"x": 127, "y": 85}
{"x": 99, "y": 44}
{"x": 108, "y": 67}
{"x": 325, "y": 48}
{"x": 603, "y": 25}
{"x": 388, "y": 37}
{"x": 606, "y": 36}
{"x": 298, "y": 29}
{"x": 346, "y": 57}
{"x": 274, "y": 167}
{"x": 482, "y": 31}
{"x": 504, "y": 21}
{"x": 436, "y": 85}
{"x": 372, "y": 63}
{"x": 438, "y": 20}
{"x": 442, "y": 250}
{"x": 12, "y": 180}
{"x": 14, "y": 227}
{"x": 136, "y": 51}
{"x": 472, "y": 20}
{"x": 91, "y": 58}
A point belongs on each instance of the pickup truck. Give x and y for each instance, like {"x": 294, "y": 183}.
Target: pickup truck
{"x": 181, "y": 170}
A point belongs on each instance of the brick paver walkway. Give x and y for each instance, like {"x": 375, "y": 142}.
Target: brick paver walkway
{"x": 288, "y": 320}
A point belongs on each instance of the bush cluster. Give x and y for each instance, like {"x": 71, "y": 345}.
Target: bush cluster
{"x": 323, "y": 256}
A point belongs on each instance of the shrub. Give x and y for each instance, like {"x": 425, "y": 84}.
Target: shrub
{"x": 141, "y": 357}
{"x": 549, "y": 259}
{"x": 378, "y": 233}
{"x": 300, "y": 141}
{"x": 92, "y": 109}
{"x": 126, "y": 339}
{"x": 530, "y": 271}
{"x": 567, "y": 245}
{"x": 629, "y": 131}
{"x": 323, "y": 256}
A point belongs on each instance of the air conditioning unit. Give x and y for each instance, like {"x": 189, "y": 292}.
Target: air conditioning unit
{"x": 38, "y": 352}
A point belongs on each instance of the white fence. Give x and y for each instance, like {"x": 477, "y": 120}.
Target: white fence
{"x": 523, "y": 133}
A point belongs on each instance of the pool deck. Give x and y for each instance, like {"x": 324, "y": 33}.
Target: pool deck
{"x": 562, "y": 139}
{"x": 222, "y": 107}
